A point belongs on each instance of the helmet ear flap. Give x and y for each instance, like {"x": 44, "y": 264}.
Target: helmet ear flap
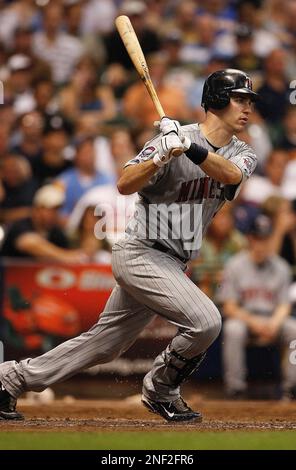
{"x": 218, "y": 101}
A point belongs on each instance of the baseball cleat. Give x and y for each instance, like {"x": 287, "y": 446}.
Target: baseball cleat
{"x": 176, "y": 410}
{"x": 8, "y": 406}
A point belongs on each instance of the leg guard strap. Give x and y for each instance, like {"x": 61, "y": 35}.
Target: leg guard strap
{"x": 183, "y": 367}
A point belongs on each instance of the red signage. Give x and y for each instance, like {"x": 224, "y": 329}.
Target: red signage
{"x": 44, "y": 304}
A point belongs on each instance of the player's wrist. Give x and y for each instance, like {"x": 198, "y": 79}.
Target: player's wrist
{"x": 186, "y": 143}
{"x": 160, "y": 161}
{"x": 196, "y": 153}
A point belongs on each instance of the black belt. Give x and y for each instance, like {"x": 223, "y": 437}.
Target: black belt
{"x": 160, "y": 247}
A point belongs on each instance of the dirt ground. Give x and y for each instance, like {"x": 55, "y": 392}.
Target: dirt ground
{"x": 128, "y": 414}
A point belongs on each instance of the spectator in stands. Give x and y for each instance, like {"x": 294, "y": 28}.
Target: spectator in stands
{"x": 171, "y": 97}
{"x": 245, "y": 58}
{"x": 122, "y": 148}
{"x": 221, "y": 242}
{"x": 60, "y": 50}
{"x": 19, "y": 84}
{"x": 290, "y": 10}
{"x": 22, "y": 41}
{"x": 85, "y": 236}
{"x": 16, "y": 14}
{"x": 99, "y": 220}
{"x": 98, "y": 17}
{"x": 19, "y": 188}
{"x": 184, "y": 19}
{"x": 82, "y": 177}
{"x": 277, "y": 15}
{"x": 288, "y": 139}
{"x": 53, "y": 159}
{"x": 3, "y": 63}
{"x": 259, "y": 188}
{"x": 291, "y": 62}
{"x": 256, "y": 134}
{"x": 4, "y": 137}
{"x": 255, "y": 301}
{"x": 85, "y": 95}
{"x": 39, "y": 236}
{"x": 23, "y": 44}
{"x": 219, "y": 8}
{"x": 274, "y": 91}
{"x": 288, "y": 228}
{"x": 73, "y": 17}
{"x": 118, "y": 78}
{"x": 148, "y": 38}
{"x": 200, "y": 52}
{"x": 29, "y": 140}
{"x": 45, "y": 100}
{"x": 112, "y": 151}
{"x": 252, "y": 13}
{"x": 74, "y": 23}
{"x": 283, "y": 215}
{"x": 178, "y": 73}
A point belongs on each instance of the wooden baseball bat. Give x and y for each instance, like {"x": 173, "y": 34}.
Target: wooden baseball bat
{"x": 132, "y": 45}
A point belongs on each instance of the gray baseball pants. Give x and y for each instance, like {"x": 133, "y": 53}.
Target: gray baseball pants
{"x": 235, "y": 340}
{"x": 149, "y": 282}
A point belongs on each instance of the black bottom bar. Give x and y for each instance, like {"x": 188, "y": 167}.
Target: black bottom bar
{"x": 142, "y": 458}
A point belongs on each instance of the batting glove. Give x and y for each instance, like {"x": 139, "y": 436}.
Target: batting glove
{"x": 168, "y": 126}
{"x": 161, "y": 160}
{"x": 167, "y": 144}
{"x": 185, "y": 141}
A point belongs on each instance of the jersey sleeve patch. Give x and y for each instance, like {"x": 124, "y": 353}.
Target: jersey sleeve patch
{"x": 249, "y": 165}
{"x": 146, "y": 154}
{"x": 246, "y": 161}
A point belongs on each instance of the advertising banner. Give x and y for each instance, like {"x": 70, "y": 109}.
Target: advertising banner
{"x": 44, "y": 305}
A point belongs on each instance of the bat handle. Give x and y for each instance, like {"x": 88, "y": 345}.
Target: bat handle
{"x": 177, "y": 152}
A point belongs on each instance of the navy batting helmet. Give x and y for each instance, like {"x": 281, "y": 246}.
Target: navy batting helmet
{"x": 220, "y": 84}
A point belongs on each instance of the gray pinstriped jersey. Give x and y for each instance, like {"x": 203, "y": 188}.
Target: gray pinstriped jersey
{"x": 259, "y": 289}
{"x": 178, "y": 204}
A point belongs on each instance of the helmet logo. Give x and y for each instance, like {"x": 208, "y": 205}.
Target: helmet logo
{"x": 249, "y": 83}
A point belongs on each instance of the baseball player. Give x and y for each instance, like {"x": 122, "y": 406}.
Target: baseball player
{"x": 257, "y": 308}
{"x": 178, "y": 197}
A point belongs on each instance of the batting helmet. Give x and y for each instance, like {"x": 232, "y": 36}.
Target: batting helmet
{"x": 220, "y": 84}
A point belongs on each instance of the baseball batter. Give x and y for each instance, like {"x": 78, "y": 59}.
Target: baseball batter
{"x": 178, "y": 197}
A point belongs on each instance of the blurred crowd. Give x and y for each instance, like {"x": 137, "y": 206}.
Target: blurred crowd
{"x": 73, "y": 111}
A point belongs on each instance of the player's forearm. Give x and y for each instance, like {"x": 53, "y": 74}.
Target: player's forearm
{"x": 38, "y": 247}
{"x": 135, "y": 177}
{"x": 232, "y": 310}
{"x": 9, "y": 215}
{"x": 212, "y": 164}
{"x": 35, "y": 245}
{"x": 280, "y": 313}
{"x": 221, "y": 170}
